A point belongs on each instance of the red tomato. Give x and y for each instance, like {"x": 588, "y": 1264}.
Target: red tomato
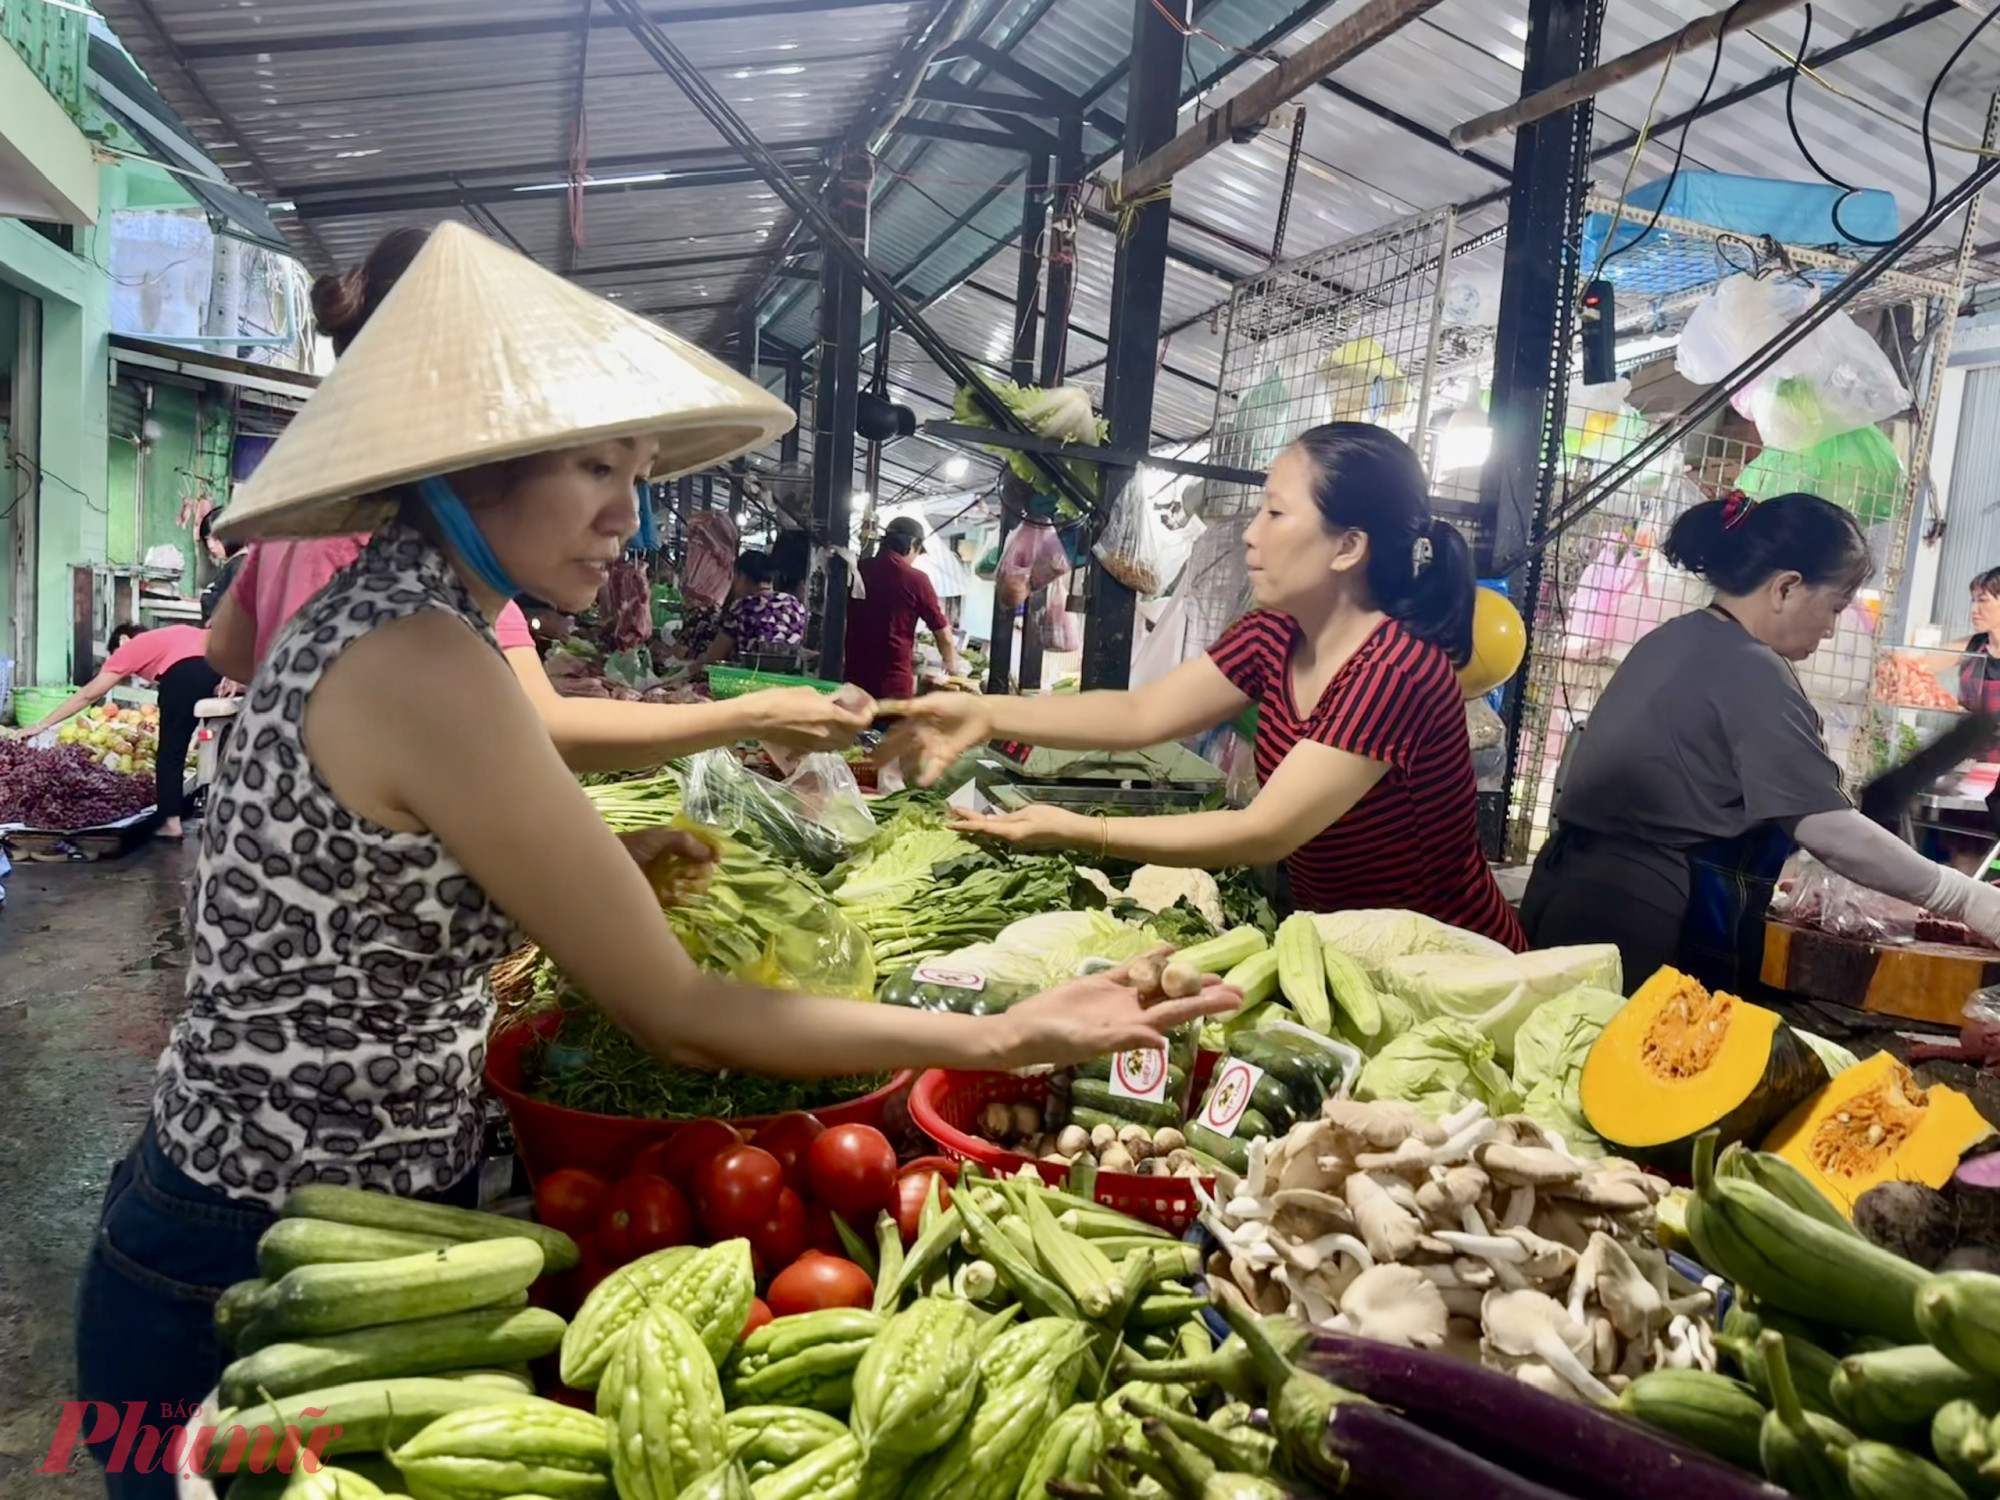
{"x": 912, "y": 1189}
{"x": 737, "y": 1191}
{"x": 853, "y": 1172}
{"x": 789, "y": 1138}
{"x": 680, "y": 1155}
{"x": 760, "y": 1314}
{"x": 816, "y": 1281}
{"x": 944, "y": 1166}
{"x": 567, "y": 1200}
{"x": 639, "y": 1215}
{"x": 781, "y": 1239}
{"x": 565, "y": 1291}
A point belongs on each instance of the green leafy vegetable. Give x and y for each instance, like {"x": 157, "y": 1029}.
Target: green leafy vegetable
{"x": 1549, "y": 1052}
{"x": 1439, "y": 1066}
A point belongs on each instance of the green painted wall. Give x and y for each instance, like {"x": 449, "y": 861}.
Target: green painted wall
{"x": 187, "y": 460}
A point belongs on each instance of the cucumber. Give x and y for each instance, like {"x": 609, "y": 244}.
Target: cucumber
{"x": 291, "y": 1243}
{"x": 1302, "y": 1074}
{"x": 423, "y": 1346}
{"x": 1231, "y": 1151}
{"x": 339, "y": 1297}
{"x": 370, "y": 1416}
{"x": 1099, "y": 1068}
{"x": 237, "y": 1307}
{"x": 411, "y": 1216}
{"x": 1093, "y": 1093}
{"x": 1218, "y": 955}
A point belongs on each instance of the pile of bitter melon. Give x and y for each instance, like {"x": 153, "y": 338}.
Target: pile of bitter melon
{"x": 1857, "y": 1374}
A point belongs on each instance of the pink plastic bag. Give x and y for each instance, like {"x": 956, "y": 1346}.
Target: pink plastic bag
{"x": 1036, "y": 547}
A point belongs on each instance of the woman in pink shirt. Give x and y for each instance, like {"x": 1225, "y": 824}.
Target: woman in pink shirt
{"x": 173, "y": 659}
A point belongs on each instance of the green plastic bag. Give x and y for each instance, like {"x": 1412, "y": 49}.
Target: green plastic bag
{"x": 1858, "y": 471}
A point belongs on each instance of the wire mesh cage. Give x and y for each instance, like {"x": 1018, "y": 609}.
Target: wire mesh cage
{"x": 1350, "y": 333}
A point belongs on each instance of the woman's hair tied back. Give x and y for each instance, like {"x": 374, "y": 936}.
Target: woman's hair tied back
{"x": 1737, "y": 544}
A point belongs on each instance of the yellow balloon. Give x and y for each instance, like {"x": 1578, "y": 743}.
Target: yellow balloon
{"x": 1499, "y": 643}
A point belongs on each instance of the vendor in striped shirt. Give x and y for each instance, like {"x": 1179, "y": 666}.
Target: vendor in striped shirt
{"x": 1367, "y": 790}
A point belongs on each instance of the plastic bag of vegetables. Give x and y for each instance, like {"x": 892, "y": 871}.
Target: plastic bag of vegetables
{"x": 816, "y": 819}
{"x": 761, "y": 923}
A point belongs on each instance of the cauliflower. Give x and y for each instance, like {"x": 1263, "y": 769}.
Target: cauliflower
{"x": 1156, "y": 887}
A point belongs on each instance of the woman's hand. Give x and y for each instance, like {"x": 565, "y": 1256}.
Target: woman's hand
{"x": 1102, "y": 1013}
{"x": 805, "y": 719}
{"x": 1036, "y": 826}
{"x": 933, "y": 731}
{"x": 678, "y": 864}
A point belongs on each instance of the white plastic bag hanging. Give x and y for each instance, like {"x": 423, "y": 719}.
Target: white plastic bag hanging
{"x": 1836, "y": 381}
{"x": 1136, "y": 546}
{"x": 1737, "y": 319}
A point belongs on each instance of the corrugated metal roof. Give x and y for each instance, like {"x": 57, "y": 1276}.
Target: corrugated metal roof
{"x": 309, "y": 98}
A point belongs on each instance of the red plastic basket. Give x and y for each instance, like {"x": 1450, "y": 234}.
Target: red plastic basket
{"x": 548, "y": 1136}
{"x": 945, "y": 1104}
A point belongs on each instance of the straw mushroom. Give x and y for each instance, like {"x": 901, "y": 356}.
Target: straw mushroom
{"x": 1395, "y": 1305}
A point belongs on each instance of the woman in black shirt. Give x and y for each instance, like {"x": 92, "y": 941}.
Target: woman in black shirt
{"x": 1703, "y": 764}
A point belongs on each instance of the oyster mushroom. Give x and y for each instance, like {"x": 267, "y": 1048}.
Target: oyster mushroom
{"x": 1528, "y": 1166}
{"x": 1381, "y": 1126}
{"x": 1395, "y": 1305}
{"x": 1531, "y": 1325}
{"x": 1388, "y": 1229}
{"x": 1457, "y": 1188}
{"x": 1626, "y": 1294}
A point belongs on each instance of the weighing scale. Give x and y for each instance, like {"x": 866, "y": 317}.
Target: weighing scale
{"x": 1165, "y": 778}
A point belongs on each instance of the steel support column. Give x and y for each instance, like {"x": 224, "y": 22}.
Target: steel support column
{"x": 795, "y": 397}
{"x": 834, "y": 407}
{"x": 1138, "y": 284}
{"x": 1538, "y": 293}
{"x": 1065, "y": 213}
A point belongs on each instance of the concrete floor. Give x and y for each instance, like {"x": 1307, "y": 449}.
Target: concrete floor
{"x": 91, "y": 967}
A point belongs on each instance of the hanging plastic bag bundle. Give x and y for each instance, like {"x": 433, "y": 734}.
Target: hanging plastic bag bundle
{"x": 711, "y": 558}
{"x": 1033, "y": 559}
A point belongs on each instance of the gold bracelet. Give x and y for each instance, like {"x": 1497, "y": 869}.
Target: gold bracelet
{"x": 1103, "y": 835}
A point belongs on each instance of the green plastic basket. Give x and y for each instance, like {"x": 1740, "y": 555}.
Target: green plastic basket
{"x": 33, "y": 704}
{"x": 734, "y": 682}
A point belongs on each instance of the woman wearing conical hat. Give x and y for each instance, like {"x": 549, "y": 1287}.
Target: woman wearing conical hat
{"x": 391, "y": 816}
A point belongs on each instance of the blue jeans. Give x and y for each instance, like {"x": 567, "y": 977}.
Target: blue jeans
{"x": 166, "y": 1248}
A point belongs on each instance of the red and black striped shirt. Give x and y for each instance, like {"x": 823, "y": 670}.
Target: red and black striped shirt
{"x": 1412, "y": 842}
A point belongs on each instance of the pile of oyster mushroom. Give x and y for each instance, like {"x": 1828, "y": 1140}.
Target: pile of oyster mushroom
{"x": 1481, "y": 1237}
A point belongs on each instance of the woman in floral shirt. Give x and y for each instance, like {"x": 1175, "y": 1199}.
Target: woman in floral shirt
{"x": 759, "y": 621}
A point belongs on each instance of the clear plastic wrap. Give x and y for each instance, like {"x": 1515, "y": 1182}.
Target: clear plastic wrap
{"x": 1811, "y": 895}
{"x": 817, "y": 817}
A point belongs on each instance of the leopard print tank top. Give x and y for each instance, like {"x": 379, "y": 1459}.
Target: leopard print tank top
{"x": 337, "y": 990}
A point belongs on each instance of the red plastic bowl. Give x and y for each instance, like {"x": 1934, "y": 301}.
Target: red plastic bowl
{"x": 549, "y": 1136}
{"x": 944, "y": 1106}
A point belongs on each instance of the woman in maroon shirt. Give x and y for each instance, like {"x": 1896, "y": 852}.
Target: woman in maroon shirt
{"x": 1368, "y": 793}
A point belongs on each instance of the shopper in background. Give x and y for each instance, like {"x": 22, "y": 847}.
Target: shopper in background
{"x": 277, "y": 578}
{"x": 759, "y": 621}
{"x": 1368, "y": 794}
{"x": 1979, "y": 678}
{"x": 172, "y": 660}
{"x": 1704, "y": 763}
{"x": 390, "y": 808}
{"x": 882, "y": 627}
{"x": 227, "y": 556}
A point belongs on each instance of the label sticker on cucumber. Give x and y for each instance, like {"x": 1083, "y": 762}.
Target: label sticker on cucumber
{"x": 1140, "y": 1074}
{"x": 951, "y": 979}
{"x": 1229, "y": 1096}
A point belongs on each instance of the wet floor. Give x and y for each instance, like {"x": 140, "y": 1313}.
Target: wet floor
{"x": 91, "y": 967}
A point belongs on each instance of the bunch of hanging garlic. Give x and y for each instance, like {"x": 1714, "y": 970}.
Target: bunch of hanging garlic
{"x": 1482, "y": 1237}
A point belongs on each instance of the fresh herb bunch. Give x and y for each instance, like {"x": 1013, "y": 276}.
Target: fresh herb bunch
{"x": 591, "y": 1064}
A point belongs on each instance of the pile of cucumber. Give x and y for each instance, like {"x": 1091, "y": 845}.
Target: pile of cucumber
{"x": 1857, "y": 1375}
{"x": 380, "y": 1315}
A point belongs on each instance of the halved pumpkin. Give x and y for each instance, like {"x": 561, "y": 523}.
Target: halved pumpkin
{"x": 1677, "y": 1061}
{"x": 1875, "y": 1123}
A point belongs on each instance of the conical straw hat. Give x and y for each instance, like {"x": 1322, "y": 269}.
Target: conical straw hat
{"x": 479, "y": 355}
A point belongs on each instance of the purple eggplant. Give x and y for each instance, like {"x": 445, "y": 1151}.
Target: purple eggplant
{"x": 1573, "y": 1449}
{"x": 1389, "y": 1458}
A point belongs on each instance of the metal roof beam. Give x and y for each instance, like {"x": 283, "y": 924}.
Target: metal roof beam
{"x": 1166, "y": 367}
{"x": 1340, "y": 43}
{"x": 530, "y": 173}
{"x": 1860, "y": 42}
{"x": 668, "y": 263}
{"x": 1015, "y": 71}
{"x": 1016, "y": 137}
{"x": 965, "y": 96}
{"x": 484, "y": 31}
{"x": 1413, "y": 128}
{"x": 391, "y": 203}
